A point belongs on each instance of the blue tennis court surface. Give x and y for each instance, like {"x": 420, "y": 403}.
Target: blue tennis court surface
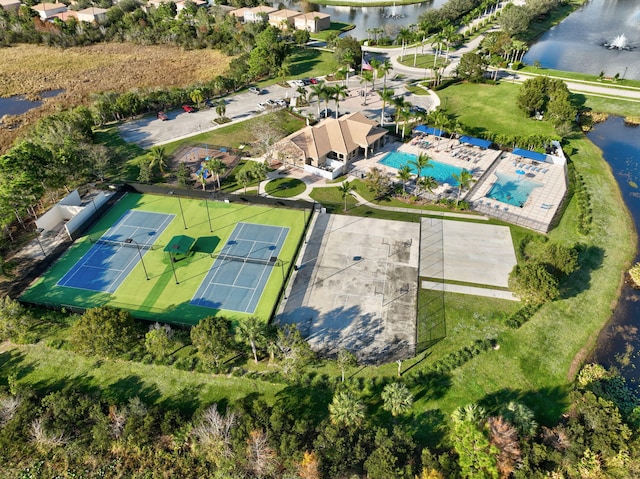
{"x": 105, "y": 266}
{"x": 235, "y": 284}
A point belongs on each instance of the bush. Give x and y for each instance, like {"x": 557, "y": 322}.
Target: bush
{"x": 104, "y": 331}
{"x": 185, "y": 364}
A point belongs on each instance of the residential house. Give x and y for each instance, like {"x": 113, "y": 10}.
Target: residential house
{"x": 313, "y": 22}
{"x": 327, "y": 148}
{"x": 283, "y": 19}
{"x": 239, "y": 13}
{"x": 198, "y": 3}
{"x": 48, "y": 10}
{"x": 92, "y": 14}
{"x": 10, "y": 4}
{"x": 64, "y": 16}
{"x": 258, "y": 14}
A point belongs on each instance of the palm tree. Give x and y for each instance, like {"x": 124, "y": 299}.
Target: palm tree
{"x": 345, "y": 189}
{"x": 375, "y": 64}
{"x": 386, "y": 95}
{"x": 471, "y": 413}
{"x": 317, "y": 91}
{"x": 216, "y": 167}
{"x": 405, "y": 115}
{"x": 397, "y": 398}
{"x": 244, "y": 178}
{"x": 367, "y": 76}
{"x": 197, "y": 96}
{"x": 404, "y": 175}
{"x": 283, "y": 72}
{"x": 339, "y": 92}
{"x": 346, "y": 410}
{"x": 252, "y": 331}
{"x": 404, "y": 35}
{"x": 259, "y": 170}
{"x": 302, "y": 91}
{"x": 202, "y": 176}
{"x": 399, "y": 103}
{"x": 157, "y": 156}
{"x": 464, "y": 179}
{"x": 221, "y": 108}
{"x": 422, "y": 161}
{"x": 440, "y": 120}
{"x": 385, "y": 68}
{"x": 426, "y": 183}
{"x": 347, "y": 60}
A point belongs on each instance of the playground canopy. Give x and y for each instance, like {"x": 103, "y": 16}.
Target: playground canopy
{"x": 532, "y": 155}
{"x": 429, "y": 131}
{"x": 180, "y": 245}
{"x": 475, "y": 141}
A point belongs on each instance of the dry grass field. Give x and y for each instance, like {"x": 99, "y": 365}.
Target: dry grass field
{"x": 80, "y": 71}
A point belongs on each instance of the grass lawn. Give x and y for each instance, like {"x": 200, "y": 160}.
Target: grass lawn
{"x": 337, "y": 27}
{"x": 486, "y": 109}
{"x": 309, "y": 62}
{"x": 423, "y": 60}
{"x": 161, "y": 298}
{"x": 285, "y": 187}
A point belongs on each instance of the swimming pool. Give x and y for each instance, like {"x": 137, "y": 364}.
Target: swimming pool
{"x": 512, "y": 189}
{"x": 442, "y": 172}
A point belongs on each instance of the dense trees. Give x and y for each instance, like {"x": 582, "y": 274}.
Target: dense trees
{"x": 212, "y": 338}
{"x": 104, "y": 332}
{"x": 472, "y": 67}
{"x": 543, "y": 94}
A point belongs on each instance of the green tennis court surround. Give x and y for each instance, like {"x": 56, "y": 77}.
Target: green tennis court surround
{"x": 165, "y": 296}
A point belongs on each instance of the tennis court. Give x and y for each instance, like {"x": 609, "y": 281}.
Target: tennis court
{"x": 241, "y": 270}
{"x": 114, "y": 255}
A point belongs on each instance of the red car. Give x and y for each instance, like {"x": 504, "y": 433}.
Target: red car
{"x": 162, "y": 116}
{"x": 313, "y": 81}
{"x": 188, "y": 108}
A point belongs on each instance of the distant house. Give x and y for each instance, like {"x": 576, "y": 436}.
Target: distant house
{"x": 198, "y": 3}
{"x": 327, "y": 148}
{"x": 313, "y": 22}
{"x": 283, "y": 19}
{"x": 92, "y": 14}
{"x": 10, "y": 4}
{"x": 239, "y": 13}
{"x": 258, "y": 14}
{"x": 49, "y": 10}
{"x": 64, "y": 16}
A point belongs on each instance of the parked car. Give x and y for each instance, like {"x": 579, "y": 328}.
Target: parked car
{"x": 255, "y": 90}
{"x": 418, "y": 109}
{"x": 281, "y": 102}
{"x": 306, "y": 81}
{"x": 162, "y": 116}
{"x": 313, "y": 81}
{"x": 271, "y": 103}
{"x": 326, "y": 113}
{"x": 209, "y": 102}
{"x": 261, "y": 106}
{"x": 388, "y": 118}
{"x": 188, "y": 108}
{"x": 297, "y": 83}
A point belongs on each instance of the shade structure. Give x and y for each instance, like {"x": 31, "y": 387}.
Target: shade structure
{"x": 532, "y": 155}
{"x": 428, "y": 130}
{"x": 475, "y": 141}
{"x": 181, "y": 245}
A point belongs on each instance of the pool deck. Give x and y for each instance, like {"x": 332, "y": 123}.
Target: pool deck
{"x": 537, "y": 213}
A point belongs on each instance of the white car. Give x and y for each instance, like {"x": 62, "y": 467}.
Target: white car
{"x": 261, "y": 106}
{"x": 271, "y": 103}
{"x": 297, "y": 83}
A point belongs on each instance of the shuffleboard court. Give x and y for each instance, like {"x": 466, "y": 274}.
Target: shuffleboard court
{"x": 114, "y": 255}
{"x": 240, "y": 272}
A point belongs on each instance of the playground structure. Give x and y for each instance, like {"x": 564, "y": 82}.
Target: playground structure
{"x": 195, "y": 157}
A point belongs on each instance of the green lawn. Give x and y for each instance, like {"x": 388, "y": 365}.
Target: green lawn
{"x": 425, "y": 61}
{"x": 285, "y": 187}
{"x": 161, "y": 298}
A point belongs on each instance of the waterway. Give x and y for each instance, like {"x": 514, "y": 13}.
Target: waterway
{"x": 17, "y": 105}
{"x": 390, "y": 19}
{"x": 619, "y": 343}
{"x": 579, "y": 43}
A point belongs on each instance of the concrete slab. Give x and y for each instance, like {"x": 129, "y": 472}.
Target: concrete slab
{"x": 356, "y": 288}
{"x": 473, "y": 290}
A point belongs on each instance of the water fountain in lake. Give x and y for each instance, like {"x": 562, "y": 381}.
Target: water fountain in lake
{"x": 619, "y": 43}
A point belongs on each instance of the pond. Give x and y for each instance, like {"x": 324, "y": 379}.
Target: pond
{"x": 601, "y": 36}
{"x": 17, "y": 105}
{"x": 619, "y": 343}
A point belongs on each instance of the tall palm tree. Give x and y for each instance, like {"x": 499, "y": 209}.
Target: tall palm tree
{"x": 283, "y": 72}
{"x": 397, "y": 399}
{"x": 216, "y": 167}
{"x": 405, "y": 115}
{"x": 386, "y": 95}
{"x": 339, "y": 92}
{"x": 404, "y": 175}
{"x": 426, "y": 183}
{"x": 385, "y": 68}
{"x": 345, "y": 188}
{"x": 399, "y": 103}
{"x": 345, "y": 359}
{"x": 464, "y": 179}
{"x": 367, "y": 76}
{"x": 422, "y": 161}
{"x": 244, "y": 177}
{"x": 346, "y": 410}
{"x": 348, "y": 60}
{"x": 252, "y": 331}
{"x": 404, "y": 35}
{"x": 202, "y": 177}
{"x": 375, "y": 64}
{"x": 197, "y": 96}
{"x": 221, "y": 108}
{"x": 158, "y": 156}
{"x": 317, "y": 91}
{"x": 440, "y": 120}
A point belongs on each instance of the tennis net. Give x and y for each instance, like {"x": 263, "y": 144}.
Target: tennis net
{"x": 272, "y": 261}
{"x": 131, "y": 244}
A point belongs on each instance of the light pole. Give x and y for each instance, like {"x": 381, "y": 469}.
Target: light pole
{"x": 284, "y": 285}
{"x": 131, "y": 240}
{"x": 173, "y": 267}
{"x": 206, "y": 204}
{"x": 172, "y": 193}
{"x": 39, "y": 232}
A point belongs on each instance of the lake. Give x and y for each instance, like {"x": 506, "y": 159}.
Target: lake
{"x": 579, "y": 43}
{"x": 620, "y": 341}
{"x": 17, "y": 105}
